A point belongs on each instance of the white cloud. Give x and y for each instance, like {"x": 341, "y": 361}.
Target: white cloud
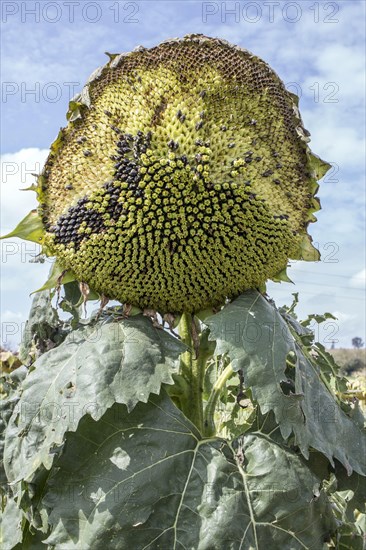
{"x": 343, "y": 65}
{"x": 12, "y": 316}
{"x": 343, "y": 316}
{"x": 12, "y": 328}
{"x": 16, "y": 174}
{"x": 332, "y": 139}
{"x": 32, "y": 64}
{"x": 359, "y": 279}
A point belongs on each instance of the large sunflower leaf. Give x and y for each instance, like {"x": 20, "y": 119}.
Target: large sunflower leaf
{"x": 9, "y": 393}
{"x": 43, "y": 328}
{"x": 146, "y": 480}
{"x": 251, "y": 331}
{"x": 10, "y": 525}
{"x": 11, "y": 517}
{"x": 96, "y": 366}
{"x": 354, "y": 487}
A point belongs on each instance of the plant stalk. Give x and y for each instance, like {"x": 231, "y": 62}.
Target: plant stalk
{"x": 193, "y": 370}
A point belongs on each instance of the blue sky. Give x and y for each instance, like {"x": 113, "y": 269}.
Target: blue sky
{"x": 50, "y": 48}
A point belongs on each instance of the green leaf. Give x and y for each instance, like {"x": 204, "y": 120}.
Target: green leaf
{"x": 355, "y": 486}
{"x": 348, "y": 497}
{"x": 32, "y": 540}
{"x": 146, "y": 479}
{"x": 251, "y": 331}
{"x": 70, "y": 302}
{"x": 10, "y": 525}
{"x": 92, "y": 369}
{"x": 282, "y": 276}
{"x": 43, "y": 328}
{"x": 327, "y": 368}
{"x": 238, "y": 420}
{"x": 75, "y": 110}
{"x": 349, "y": 540}
{"x": 318, "y": 318}
{"x": 30, "y": 228}
{"x": 9, "y": 386}
{"x": 42, "y": 313}
{"x": 307, "y": 251}
{"x": 56, "y": 145}
{"x": 8, "y": 361}
{"x": 318, "y": 166}
{"x": 72, "y": 294}
{"x": 56, "y": 276}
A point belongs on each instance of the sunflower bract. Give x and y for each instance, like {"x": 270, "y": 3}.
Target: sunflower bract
{"x": 182, "y": 178}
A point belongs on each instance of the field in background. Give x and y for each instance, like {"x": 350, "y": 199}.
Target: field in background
{"x": 350, "y": 359}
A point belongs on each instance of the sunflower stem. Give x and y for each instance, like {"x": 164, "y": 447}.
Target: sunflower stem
{"x": 192, "y": 369}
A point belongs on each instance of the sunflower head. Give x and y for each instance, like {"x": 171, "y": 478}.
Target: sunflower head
{"x": 182, "y": 178}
